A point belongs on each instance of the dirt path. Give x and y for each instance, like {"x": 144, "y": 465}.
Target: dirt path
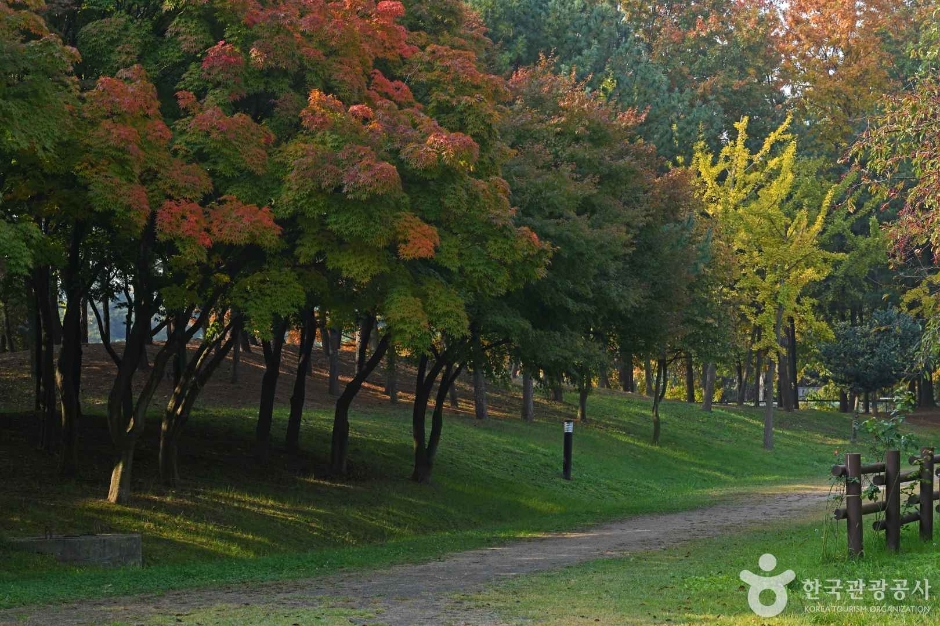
{"x": 423, "y": 593}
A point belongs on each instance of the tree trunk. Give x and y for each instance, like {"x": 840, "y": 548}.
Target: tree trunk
{"x": 335, "y": 343}
{"x": 47, "y": 360}
{"x": 648, "y": 371}
{"x": 926, "y": 390}
{"x": 558, "y": 392}
{"x": 794, "y": 369}
{"x": 424, "y": 453}
{"x": 69, "y": 366}
{"x": 867, "y": 402}
{"x": 854, "y": 417}
{"x": 689, "y": 380}
{"x": 479, "y": 380}
{"x": 169, "y": 456}
{"x": 120, "y": 490}
{"x": 84, "y": 321}
{"x": 709, "y": 392}
{"x": 528, "y": 402}
{"x": 189, "y": 383}
{"x": 106, "y": 317}
{"x": 236, "y": 359}
{"x": 758, "y": 368}
{"x": 769, "y": 405}
{"x": 771, "y": 376}
{"x": 36, "y": 350}
{"x": 339, "y": 447}
{"x": 626, "y": 371}
{"x": 272, "y": 361}
{"x": 307, "y": 337}
{"x": 786, "y": 389}
{"x": 583, "y": 391}
{"x": 364, "y": 336}
{"x": 603, "y": 378}
{"x": 452, "y": 393}
{"x": 391, "y": 374}
{"x": 843, "y": 402}
{"x": 659, "y": 390}
{"x": 56, "y": 324}
{"x": 8, "y": 330}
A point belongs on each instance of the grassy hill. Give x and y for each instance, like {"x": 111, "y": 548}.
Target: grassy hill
{"x": 235, "y": 519}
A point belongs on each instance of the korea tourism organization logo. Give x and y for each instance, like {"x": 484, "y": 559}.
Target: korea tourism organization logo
{"x": 775, "y": 583}
{"x": 844, "y": 596}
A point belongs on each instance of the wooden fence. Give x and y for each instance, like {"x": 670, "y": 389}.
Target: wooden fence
{"x": 889, "y": 476}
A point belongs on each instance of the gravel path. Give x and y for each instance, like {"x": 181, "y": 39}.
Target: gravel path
{"x": 424, "y": 593}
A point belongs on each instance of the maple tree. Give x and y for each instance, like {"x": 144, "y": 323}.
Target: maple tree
{"x": 838, "y": 59}
{"x": 585, "y": 184}
{"x": 39, "y": 93}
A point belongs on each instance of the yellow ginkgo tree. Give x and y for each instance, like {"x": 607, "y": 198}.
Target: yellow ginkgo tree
{"x": 770, "y": 239}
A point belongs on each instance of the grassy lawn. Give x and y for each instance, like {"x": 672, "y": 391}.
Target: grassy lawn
{"x": 235, "y": 520}
{"x": 698, "y": 582}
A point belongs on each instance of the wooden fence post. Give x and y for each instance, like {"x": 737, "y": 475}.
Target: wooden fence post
{"x": 926, "y": 494}
{"x": 853, "y": 502}
{"x": 893, "y": 500}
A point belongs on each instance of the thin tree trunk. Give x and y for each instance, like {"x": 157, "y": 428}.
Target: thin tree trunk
{"x": 84, "y": 322}
{"x": 56, "y": 324}
{"x": 558, "y": 391}
{"x": 452, "y": 394}
{"x": 69, "y": 366}
{"x": 47, "y": 361}
{"x": 659, "y": 389}
{"x": 583, "y": 391}
{"x": 363, "y": 340}
{"x": 307, "y": 338}
{"x": 626, "y": 371}
{"x": 926, "y": 390}
{"x": 758, "y": 368}
{"x": 689, "y": 380}
{"x": 794, "y": 369}
{"x": 771, "y": 376}
{"x": 479, "y": 380}
{"x": 236, "y": 360}
{"x": 335, "y": 343}
{"x": 786, "y": 393}
{"x": 186, "y": 390}
{"x": 106, "y": 317}
{"x": 769, "y": 404}
{"x": 272, "y": 349}
{"x": 120, "y": 488}
{"x": 709, "y": 392}
{"x": 528, "y": 402}
{"x": 648, "y": 371}
{"x": 36, "y": 349}
{"x": 603, "y": 378}
{"x": 8, "y": 329}
{"x": 339, "y": 448}
{"x": 391, "y": 374}
{"x": 843, "y": 402}
{"x": 425, "y": 452}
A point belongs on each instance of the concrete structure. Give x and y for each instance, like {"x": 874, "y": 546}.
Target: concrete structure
{"x": 111, "y": 550}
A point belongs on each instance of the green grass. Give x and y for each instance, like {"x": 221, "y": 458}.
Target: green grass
{"x": 698, "y": 582}
{"x": 235, "y": 520}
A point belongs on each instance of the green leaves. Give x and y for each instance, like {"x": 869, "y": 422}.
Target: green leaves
{"x": 771, "y": 242}
{"x": 875, "y": 354}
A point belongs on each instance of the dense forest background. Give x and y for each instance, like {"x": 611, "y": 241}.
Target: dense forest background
{"x": 723, "y": 201}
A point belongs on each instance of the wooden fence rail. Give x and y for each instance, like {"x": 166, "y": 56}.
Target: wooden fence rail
{"x": 890, "y": 476}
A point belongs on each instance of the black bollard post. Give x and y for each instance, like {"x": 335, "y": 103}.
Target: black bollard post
{"x": 569, "y": 434}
